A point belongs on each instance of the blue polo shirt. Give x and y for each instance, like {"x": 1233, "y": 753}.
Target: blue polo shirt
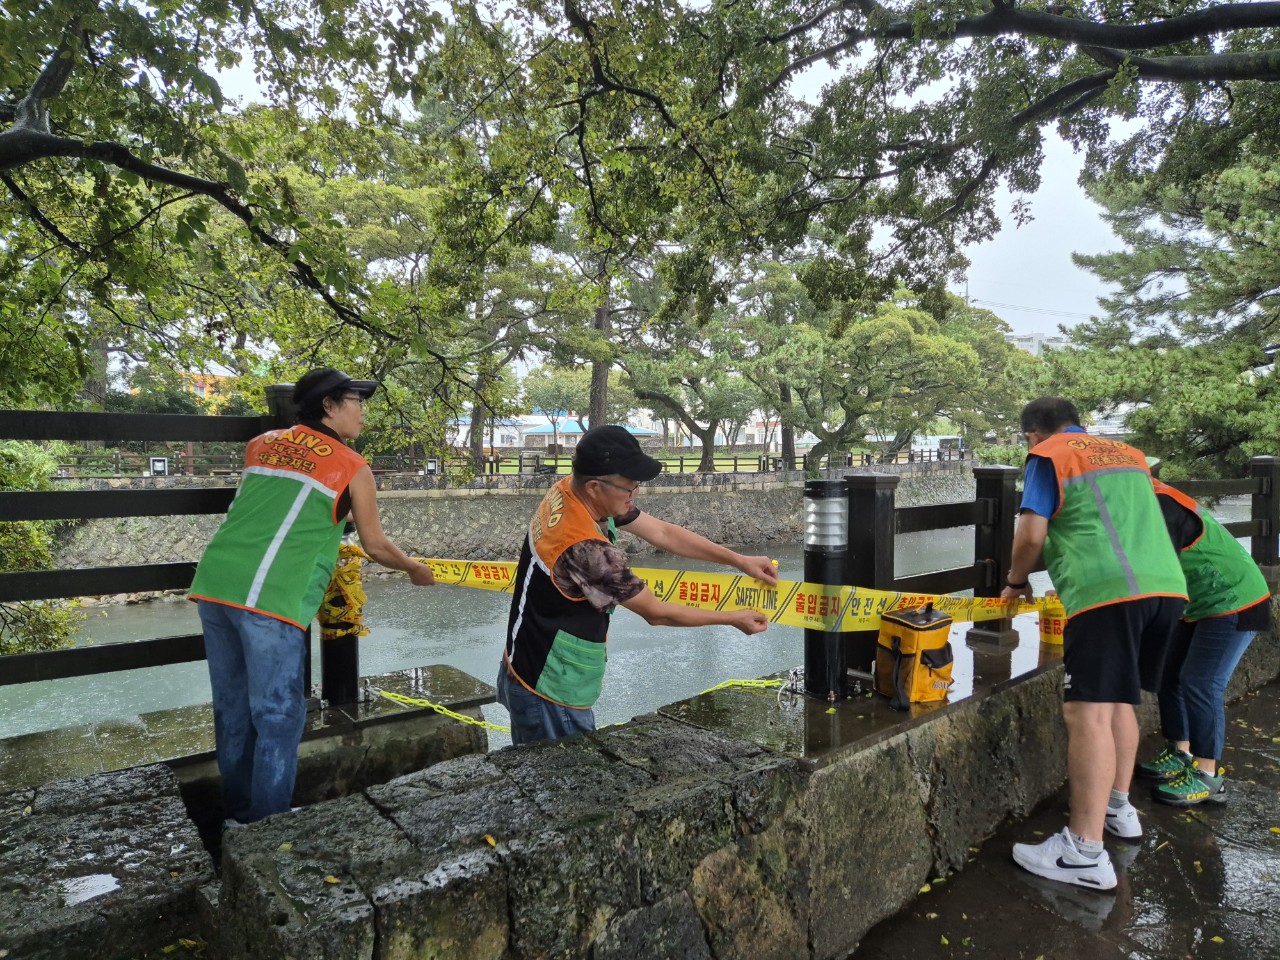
{"x": 1040, "y": 483}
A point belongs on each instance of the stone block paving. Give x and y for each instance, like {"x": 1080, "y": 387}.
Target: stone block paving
{"x": 104, "y": 866}
{"x": 1203, "y": 883}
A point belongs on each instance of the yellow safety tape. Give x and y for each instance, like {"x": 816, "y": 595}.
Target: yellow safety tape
{"x": 340, "y": 612}
{"x": 792, "y": 603}
{"x": 401, "y": 699}
{"x": 749, "y": 684}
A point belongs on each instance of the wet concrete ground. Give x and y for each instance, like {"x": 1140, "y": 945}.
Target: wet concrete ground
{"x": 1202, "y": 883}
{"x": 186, "y": 733}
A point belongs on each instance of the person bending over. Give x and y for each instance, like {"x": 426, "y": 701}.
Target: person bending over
{"x": 572, "y": 575}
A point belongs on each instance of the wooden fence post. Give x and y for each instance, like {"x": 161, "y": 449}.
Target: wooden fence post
{"x": 870, "y": 559}
{"x": 997, "y": 500}
{"x": 1266, "y": 511}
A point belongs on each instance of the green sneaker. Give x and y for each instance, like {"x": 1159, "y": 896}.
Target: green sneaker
{"x": 1190, "y": 788}
{"x": 1168, "y": 763}
{"x": 1217, "y": 786}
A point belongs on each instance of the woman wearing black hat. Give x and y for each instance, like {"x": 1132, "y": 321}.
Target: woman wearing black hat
{"x": 263, "y": 576}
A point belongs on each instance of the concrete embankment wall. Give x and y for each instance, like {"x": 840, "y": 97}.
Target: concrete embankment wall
{"x": 488, "y": 523}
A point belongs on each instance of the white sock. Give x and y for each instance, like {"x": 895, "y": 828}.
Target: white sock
{"x": 1117, "y": 800}
{"x": 1087, "y": 848}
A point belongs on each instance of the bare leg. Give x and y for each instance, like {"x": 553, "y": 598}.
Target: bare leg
{"x": 1124, "y": 732}
{"x": 1091, "y": 764}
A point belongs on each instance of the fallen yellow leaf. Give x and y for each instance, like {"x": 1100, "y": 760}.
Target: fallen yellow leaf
{"x": 926, "y": 888}
{"x": 331, "y": 879}
{"x": 1275, "y": 829}
{"x": 1217, "y": 940}
{"x": 945, "y": 941}
{"x": 1196, "y": 864}
{"x": 490, "y": 841}
{"x": 286, "y": 846}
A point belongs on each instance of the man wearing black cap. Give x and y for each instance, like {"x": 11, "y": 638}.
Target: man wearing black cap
{"x": 571, "y": 575}
{"x": 263, "y": 576}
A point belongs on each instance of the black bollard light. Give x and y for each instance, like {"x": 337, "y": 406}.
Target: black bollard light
{"x": 826, "y": 541}
{"x": 340, "y": 655}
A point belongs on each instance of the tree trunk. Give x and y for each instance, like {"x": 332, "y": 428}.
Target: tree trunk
{"x": 475, "y": 436}
{"x": 600, "y": 369}
{"x": 96, "y": 384}
{"x": 788, "y": 432}
{"x": 708, "y": 437}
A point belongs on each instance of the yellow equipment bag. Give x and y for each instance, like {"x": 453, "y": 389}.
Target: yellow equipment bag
{"x": 913, "y": 656}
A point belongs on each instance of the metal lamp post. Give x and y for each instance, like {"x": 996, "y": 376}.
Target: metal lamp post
{"x": 826, "y": 541}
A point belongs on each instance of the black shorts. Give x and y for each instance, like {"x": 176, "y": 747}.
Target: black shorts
{"x": 1113, "y": 653}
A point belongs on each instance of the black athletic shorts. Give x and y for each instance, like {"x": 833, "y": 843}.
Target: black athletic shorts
{"x": 1114, "y": 652}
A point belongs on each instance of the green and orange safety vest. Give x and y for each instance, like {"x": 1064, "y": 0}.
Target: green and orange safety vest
{"x": 556, "y": 643}
{"x": 1106, "y": 542}
{"x": 1221, "y": 577}
{"x": 275, "y": 552}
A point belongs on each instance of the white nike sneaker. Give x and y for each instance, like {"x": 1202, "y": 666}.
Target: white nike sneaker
{"x": 1058, "y": 859}
{"x": 1123, "y": 822}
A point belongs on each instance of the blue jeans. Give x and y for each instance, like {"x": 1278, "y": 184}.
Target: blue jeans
{"x": 1202, "y": 657}
{"x": 259, "y": 707}
{"x": 534, "y": 719}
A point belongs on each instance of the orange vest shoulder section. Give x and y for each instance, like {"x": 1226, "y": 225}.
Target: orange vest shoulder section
{"x": 560, "y": 521}
{"x": 1075, "y": 454}
{"x": 1164, "y": 490}
{"x": 323, "y": 459}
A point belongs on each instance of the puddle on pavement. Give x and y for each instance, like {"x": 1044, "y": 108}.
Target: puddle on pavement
{"x": 79, "y": 889}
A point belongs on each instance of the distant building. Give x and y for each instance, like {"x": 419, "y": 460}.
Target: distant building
{"x": 505, "y": 432}
{"x": 1036, "y": 343}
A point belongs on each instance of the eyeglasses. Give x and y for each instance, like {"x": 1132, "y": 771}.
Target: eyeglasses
{"x": 629, "y": 491}
{"x": 356, "y": 397}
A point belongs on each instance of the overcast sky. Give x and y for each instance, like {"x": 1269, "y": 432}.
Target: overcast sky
{"x": 1029, "y": 268}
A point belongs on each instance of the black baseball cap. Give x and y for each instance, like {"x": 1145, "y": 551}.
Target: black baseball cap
{"x": 323, "y": 381}
{"x": 611, "y": 449}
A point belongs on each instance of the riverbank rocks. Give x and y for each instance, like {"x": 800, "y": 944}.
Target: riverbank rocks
{"x": 107, "y": 866}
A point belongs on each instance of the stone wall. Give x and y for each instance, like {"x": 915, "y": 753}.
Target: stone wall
{"x": 656, "y": 840}
{"x": 487, "y": 523}
{"x": 108, "y": 866}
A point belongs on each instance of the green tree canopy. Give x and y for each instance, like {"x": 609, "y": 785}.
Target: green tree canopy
{"x": 1181, "y": 344}
{"x": 32, "y": 625}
